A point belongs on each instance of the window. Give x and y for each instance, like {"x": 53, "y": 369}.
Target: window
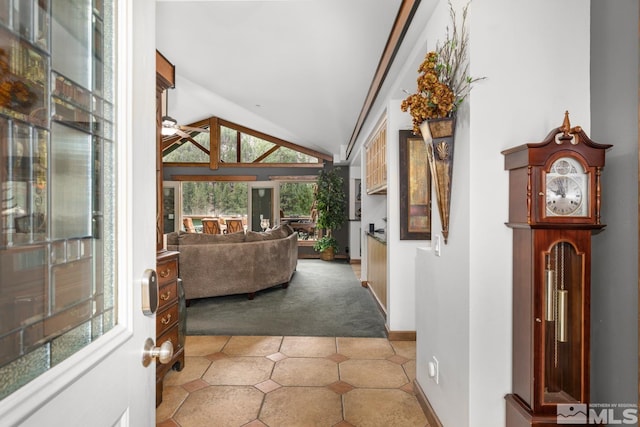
{"x": 213, "y": 199}
{"x": 235, "y": 146}
{"x": 296, "y": 198}
{"x": 187, "y": 152}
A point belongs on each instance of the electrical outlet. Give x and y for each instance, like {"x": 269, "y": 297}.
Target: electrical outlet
{"x": 434, "y": 369}
{"x": 437, "y": 247}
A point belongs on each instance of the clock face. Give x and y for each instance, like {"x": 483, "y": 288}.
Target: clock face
{"x": 567, "y": 191}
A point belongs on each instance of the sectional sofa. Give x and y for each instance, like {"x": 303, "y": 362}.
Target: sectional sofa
{"x": 237, "y": 263}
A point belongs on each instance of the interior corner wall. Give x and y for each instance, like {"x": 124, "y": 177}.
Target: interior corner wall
{"x": 464, "y": 296}
{"x": 614, "y": 286}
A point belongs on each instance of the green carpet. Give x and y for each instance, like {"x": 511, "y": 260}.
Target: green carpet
{"x": 323, "y": 299}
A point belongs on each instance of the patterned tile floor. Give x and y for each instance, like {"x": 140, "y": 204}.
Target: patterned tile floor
{"x": 254, "y": 381}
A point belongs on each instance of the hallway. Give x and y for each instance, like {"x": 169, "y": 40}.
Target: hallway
{"x": 273, "y": 381}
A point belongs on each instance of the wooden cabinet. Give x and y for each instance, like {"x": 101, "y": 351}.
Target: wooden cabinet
{"x": 169, "y": 317}
{"x": 376, "y": 162}
{"x": 377, "y": 270}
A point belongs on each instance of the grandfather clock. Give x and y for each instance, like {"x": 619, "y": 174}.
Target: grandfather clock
{"x": 554, "y": 208}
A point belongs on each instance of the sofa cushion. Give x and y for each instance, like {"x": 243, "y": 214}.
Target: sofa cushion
{"x": 172, "y": 238}
{"x": 279, "y": 232}
{"x": 206, "y": 239}
{"x": 257, "y": 236}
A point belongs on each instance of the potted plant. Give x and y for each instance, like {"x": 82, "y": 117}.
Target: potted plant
{"x": 443, "y": 84}
{"x": 331, "y": 203}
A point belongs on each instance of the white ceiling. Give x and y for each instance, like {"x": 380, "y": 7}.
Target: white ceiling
{"x": 298, "y": 70}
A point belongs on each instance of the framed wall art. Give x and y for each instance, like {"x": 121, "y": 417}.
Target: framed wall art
{"x": 415, "y": 188}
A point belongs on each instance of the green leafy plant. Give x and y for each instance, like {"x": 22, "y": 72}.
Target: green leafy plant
{"x": 331, "y": 202}
{"x": 444, "y": 81}
{"x": 324, "y": 243}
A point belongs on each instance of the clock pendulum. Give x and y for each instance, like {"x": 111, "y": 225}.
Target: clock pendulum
{"x": 554, "y": 208}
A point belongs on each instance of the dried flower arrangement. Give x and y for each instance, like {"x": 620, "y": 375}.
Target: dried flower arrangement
{"x": 444, "y": 81}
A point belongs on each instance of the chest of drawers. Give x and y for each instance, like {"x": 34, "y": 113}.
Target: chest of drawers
{"x": 169, "y": 324}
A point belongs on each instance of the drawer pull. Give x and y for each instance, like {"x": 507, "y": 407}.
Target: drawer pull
{"x": 166, "y": 320}
{"x": 166, "y": 296}
{"x": 165, "y": 273}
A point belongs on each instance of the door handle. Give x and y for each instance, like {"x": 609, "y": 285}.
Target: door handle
{"x": 149, "y": 292}
{"x": 164, "y": 353}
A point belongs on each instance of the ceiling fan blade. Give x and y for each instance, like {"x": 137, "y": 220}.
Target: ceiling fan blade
{"x": 182, "y": 133}
{"x": 193, "y": 129}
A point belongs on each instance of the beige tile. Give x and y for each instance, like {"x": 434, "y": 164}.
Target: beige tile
{"x": 239, "y": 371}
{"x": 382, "y": 408}
{"x": 373, "y": 373}
{"x": 195, "y": 385}
{"x": 365, "y": 348}
{"x": 220, "y": 406}
{"x": 297, "y": 371}
{"x": 252, "y": 346}
{"x": 340, "y": 387}
{"x": 167, "y": 423}
{"x": 397, "y": 359}
{"x": 301, "y": 406}
{"x": 410, "y": 369}
{"x": 405, "y": 348}
{"x": 308, "y": 346}
{"x": 197, "y": 345}
{"x": 193, "y": 369}
{"x": 267, "y": 386}
{"x": 172, "y": 398}
{"x": 276, "y": 357}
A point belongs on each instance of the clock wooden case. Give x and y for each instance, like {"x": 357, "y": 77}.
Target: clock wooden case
{"x": 554, "y": 208}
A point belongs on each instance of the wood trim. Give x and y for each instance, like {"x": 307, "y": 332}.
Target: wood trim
{"x": 165, "y": 72}
{"x": 185, "y": 165}
{"x": 428, "y": 410}
{"x": 299, "y": 178}
{"x": 401, "y": 335}
{"x": 236, "y": 178}
{"x": 266, "y": 154}
{"x": 214, "y": 143}
{"x": 400, "y": 26}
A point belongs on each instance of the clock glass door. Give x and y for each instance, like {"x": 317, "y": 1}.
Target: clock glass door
{"x": 562, "y": 330}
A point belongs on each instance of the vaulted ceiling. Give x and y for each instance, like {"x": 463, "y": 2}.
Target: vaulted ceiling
{"x": 299, "y": 70}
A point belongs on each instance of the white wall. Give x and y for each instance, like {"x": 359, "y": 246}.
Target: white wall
{"x": 464, "y": 297}
{"x": 614, "y": 283}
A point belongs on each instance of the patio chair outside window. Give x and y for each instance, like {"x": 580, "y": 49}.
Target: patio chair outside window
{"x": 234, "y": 225}
{"x": 211, "y": 226}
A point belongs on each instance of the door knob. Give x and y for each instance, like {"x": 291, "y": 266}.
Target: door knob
{"x": 164, "y": 353}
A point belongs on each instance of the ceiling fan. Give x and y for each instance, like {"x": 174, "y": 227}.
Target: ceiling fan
{"x": 170, "y": 125}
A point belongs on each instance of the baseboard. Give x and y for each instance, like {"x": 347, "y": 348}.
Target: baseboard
{"x": 355, "y": 261}
{"x": 400, "y": 335}
{"x": 431, "y": 415}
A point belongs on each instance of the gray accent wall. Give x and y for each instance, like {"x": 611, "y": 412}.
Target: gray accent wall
{"x": 614, "y": 120}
